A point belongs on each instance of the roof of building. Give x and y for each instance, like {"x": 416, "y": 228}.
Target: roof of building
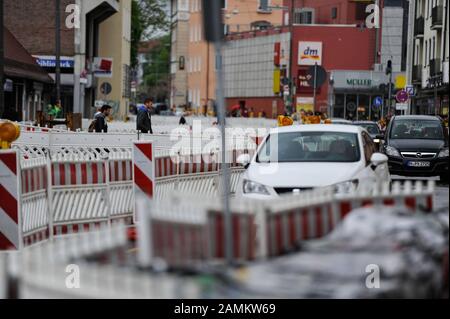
{"x": 19, "y": 63}
{"x": 148, "y": 46}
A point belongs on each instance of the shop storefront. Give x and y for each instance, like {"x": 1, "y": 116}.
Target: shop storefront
{"x": 360, "y": 95}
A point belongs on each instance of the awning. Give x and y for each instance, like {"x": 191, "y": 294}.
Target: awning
{"x": 19, "y": 63}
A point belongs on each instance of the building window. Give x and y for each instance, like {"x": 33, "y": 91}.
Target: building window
{"x": 263, "y": 6}
{"x": 334, "y": 12}
{"x": 126, "y": 81}
{"x": 303, "y": 16}
{"x": 224, "y": 4}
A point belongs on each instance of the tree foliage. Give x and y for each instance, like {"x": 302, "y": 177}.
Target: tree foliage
{"x": 148, "y": 17}
{"x": 157, "y": 71}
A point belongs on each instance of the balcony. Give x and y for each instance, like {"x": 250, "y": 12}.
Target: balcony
{"x": 417, "y": 74}
{"x": 436, "y": 17}
{"x": 435, "y": 67}
{"x": 419, "y": 27}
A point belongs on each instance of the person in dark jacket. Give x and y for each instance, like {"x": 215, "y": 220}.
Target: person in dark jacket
{"x": 144, "y": 118}
{"x": 100, "y": 119}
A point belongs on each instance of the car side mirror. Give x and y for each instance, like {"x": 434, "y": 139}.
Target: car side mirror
{"x": 244, "y": 160}
{"x": 378, "y": 159}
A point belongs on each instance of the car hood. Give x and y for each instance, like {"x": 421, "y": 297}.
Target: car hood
{"x": 302, "y": 174}
{"x": 416, "y": 145}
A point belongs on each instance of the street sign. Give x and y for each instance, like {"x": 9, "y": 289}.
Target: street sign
{"x": 410, "y": 90}
{"x": 401, "y": 106}
{"x": 378, "y": 101}
{"x": 402, "y": 96}
{"x": 321, "y": 76}
{"x": 106, "y": 88}
{"x": 99, "y": 103}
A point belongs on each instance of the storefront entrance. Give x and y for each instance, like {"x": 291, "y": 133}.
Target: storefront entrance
{"x": 359, "y": 107}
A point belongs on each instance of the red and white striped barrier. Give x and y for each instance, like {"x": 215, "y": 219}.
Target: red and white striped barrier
{"x": 143, "y": 171}
{"x": 10, "y": 233}
{"x": 243, "y": 229}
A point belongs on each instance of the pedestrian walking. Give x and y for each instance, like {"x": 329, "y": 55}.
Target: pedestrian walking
{"x": 99, "y": 124}
{"x": 144, "y": 118}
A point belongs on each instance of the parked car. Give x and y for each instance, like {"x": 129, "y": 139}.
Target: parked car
{"x": 373, "y": 129}
{"x": 160, "y": 107}
{"x": 302, "y": 157}
{"x": 417, "y": 145}
{"x": 340, "y": 121}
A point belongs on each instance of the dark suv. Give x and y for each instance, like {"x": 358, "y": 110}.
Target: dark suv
{"x": 417, "y": 145}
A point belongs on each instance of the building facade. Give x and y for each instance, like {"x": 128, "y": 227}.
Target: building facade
{"x": 193, "y": 59}
{"x": 27, "y": 86}
{"x": 115, "y": 43}
{"x": 33, "y": 23}
{"x": 431, "y": 57}
{"x": 179, "y": 52}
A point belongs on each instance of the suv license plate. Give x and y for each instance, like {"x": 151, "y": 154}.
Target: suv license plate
{"x": 419, "y": 164}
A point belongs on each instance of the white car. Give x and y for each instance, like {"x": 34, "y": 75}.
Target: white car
{"x": 297, "y": 158}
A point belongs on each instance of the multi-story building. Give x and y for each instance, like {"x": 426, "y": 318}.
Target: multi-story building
{"x": 115, "y": 43}
{"x": 431, "y": 57}
{"x": 179, "y": 54}
{"x": 82, "y": 40}
{"x": 26, "y": 85}
{"x": 194, "y": 60}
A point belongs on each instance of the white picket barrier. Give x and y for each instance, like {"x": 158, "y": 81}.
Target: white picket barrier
{"x": 50, "y": 271}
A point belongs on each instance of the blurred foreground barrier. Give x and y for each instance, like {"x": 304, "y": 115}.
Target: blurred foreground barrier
{"x": 64, "y": 269}
{"x": 73, "y": 188}
{"x": 261, "y": 229}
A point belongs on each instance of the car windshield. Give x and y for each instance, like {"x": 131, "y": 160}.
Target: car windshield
{"x": 310, "y": 147}
{"x": 417, "y": 129}
{"x": 371, "y": 128}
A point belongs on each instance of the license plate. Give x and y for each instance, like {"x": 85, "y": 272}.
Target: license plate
{"x": 419, "y": 164}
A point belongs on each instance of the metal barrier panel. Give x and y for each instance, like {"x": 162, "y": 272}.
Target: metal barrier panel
{"x": 10, "y": 232}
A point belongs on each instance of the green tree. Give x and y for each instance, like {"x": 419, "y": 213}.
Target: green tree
{"x": 147, "y": 18}
{"x": 157, "y": 71}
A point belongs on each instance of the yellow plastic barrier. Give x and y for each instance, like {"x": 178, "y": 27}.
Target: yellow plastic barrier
{"x": 9, "y": 132}
{"x": 285, "y": 121}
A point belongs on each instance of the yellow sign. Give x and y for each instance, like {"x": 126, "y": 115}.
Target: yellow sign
{"x": 285, "y": 121}
{"x": 400, "y": 81}
{"x": 276, "y": 81}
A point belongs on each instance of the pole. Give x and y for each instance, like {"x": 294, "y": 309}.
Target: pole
{"x": 2, "y": 63}
{"x": 58, "y": 49}
{"x": 224, "y": 166}
{"x": 213, "y": 27}
{"x": 390, "y": 94}
{"x": 315, "y": 86}
{"x": 410, "y": 51}
{"x": 291, "y": 59}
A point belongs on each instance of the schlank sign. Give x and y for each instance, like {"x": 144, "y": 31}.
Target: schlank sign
{"x": 310, "y": 53}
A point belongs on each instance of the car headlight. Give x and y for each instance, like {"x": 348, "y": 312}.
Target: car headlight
{"x": 391, "y": 151}
{"x": 443, "y": 153}
{"x": 250, "y": 187}
{"x": 346, "y": 187}
{"x": 377, "y": 141}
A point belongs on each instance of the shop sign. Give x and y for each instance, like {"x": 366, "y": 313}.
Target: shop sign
{"x": 305, "y": 103}
{"x": 102, "y": 67}
{"x": 310, "y": 53}
{"x": 50, "y": 62}
{"x": 360, "y": 82}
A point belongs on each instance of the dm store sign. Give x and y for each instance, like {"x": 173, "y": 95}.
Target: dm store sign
{"x": 310, "y": 53}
